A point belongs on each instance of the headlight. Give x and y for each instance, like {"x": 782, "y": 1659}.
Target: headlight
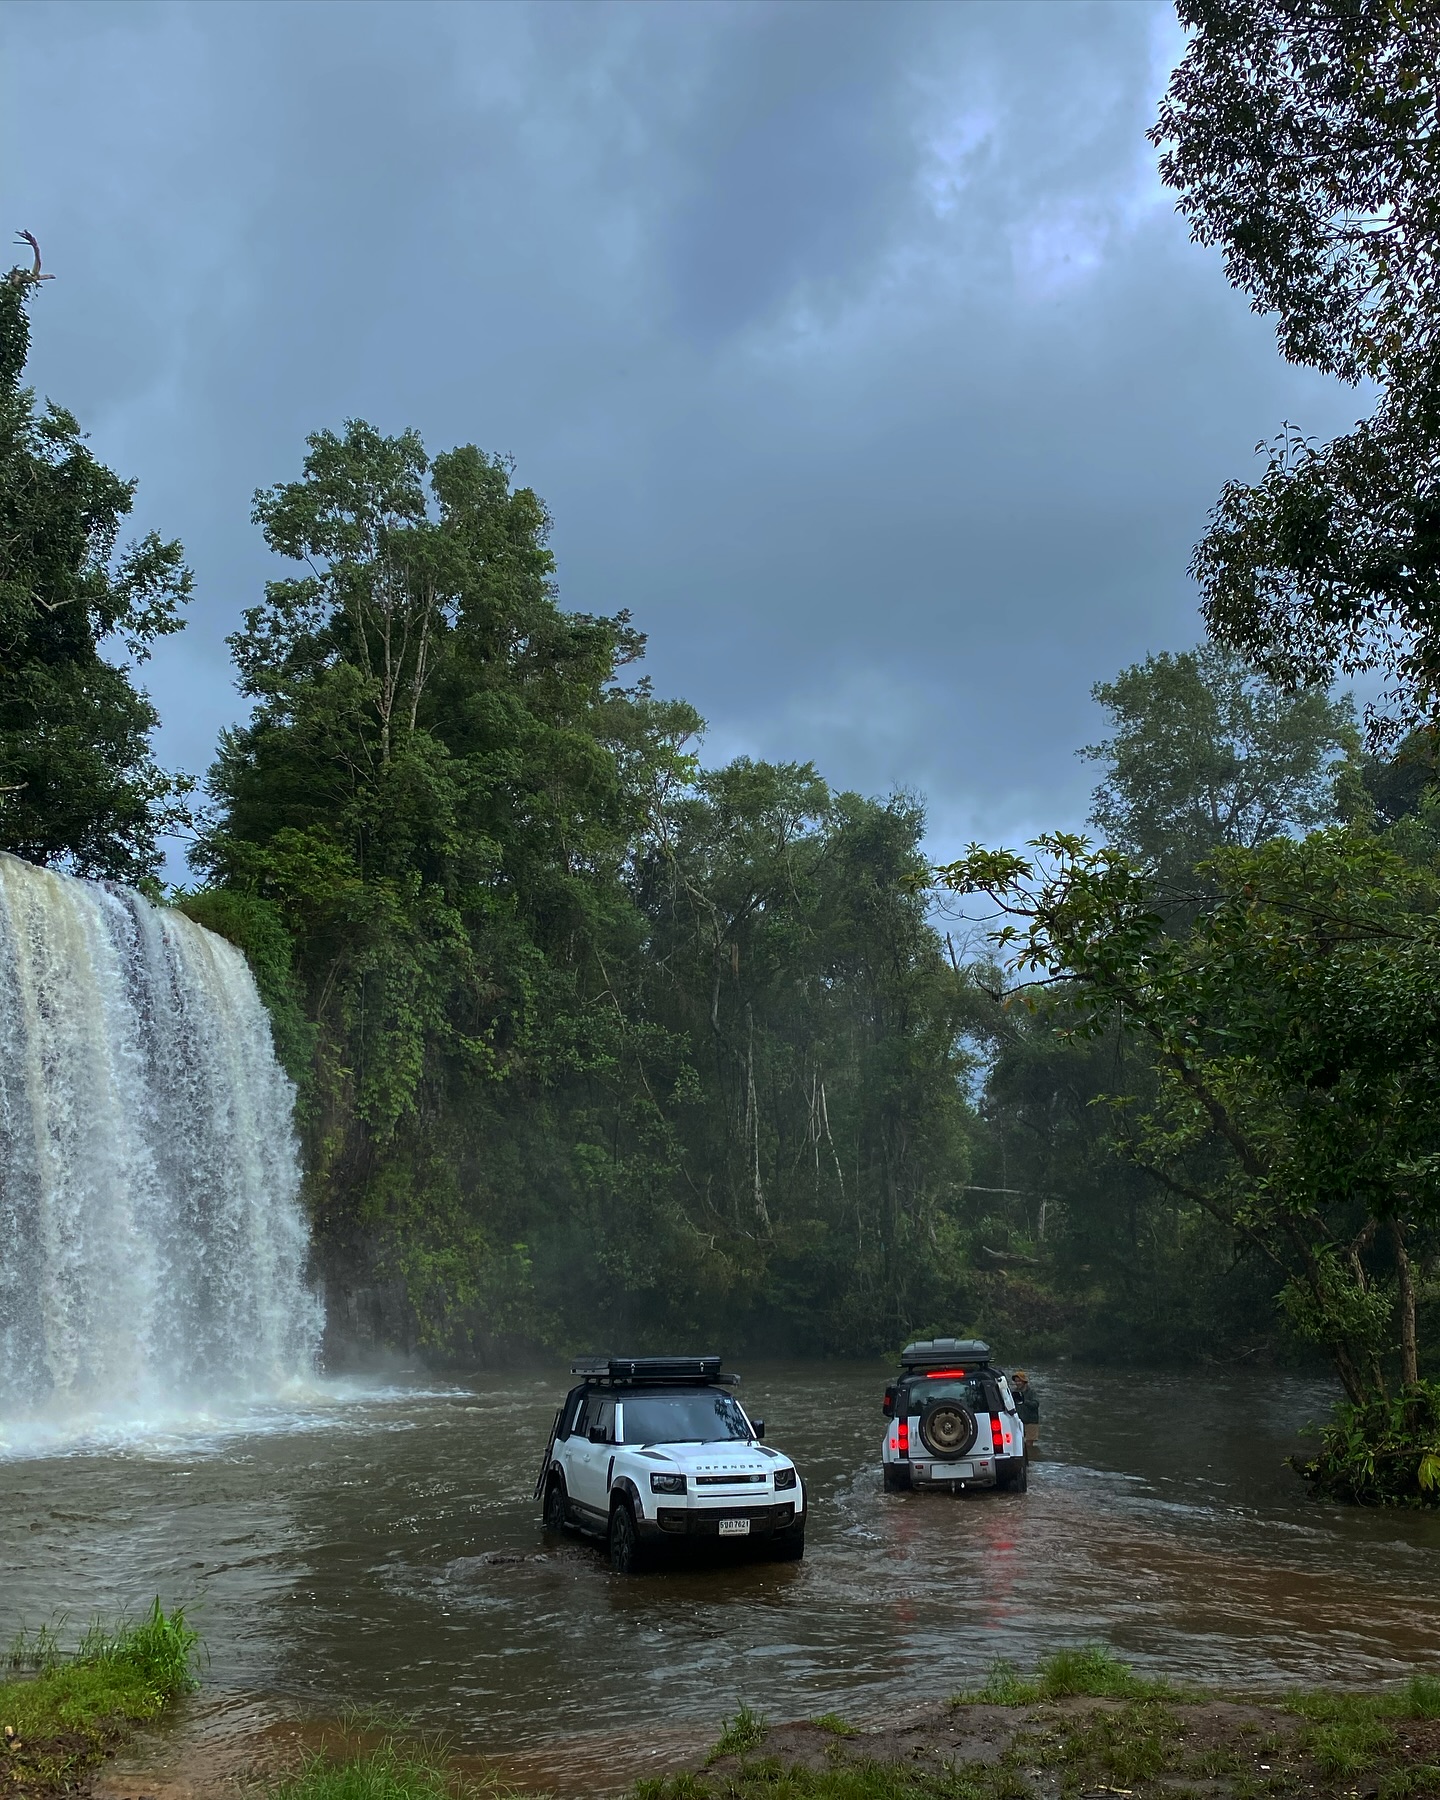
{"x": 667, "y": 1484}
{"x": 784, "y": 1478}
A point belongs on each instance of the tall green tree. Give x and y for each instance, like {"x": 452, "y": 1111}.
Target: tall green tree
{"x": 1136, "y": 1271}
{"x": 829, "y": 1135}
{"x": 79, "y": 787}
{"x": 1301, "y": 137}
{"x": 1294, "y": 1039}
{"x": 1204, "y": 753}
{"x": 438, "y": 793}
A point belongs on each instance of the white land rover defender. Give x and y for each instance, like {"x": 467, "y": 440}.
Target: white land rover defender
{"x": 954, "y": 1421}
{"x": 649, "y": 1451}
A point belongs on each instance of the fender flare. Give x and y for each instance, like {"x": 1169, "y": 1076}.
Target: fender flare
{"x": 626, "y": 1489}
{"x": 554, "y": 1477}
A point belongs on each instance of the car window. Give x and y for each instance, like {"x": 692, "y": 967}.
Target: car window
{"x": 704, "y": 1416}
{"x": 967, "y": 1391}
{"x": 603, "y": 1416}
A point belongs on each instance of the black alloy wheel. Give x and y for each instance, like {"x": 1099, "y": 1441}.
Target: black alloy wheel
{"x": 554, "y": 1514}
{"x": 948, "y": 1429}
{"x": 625, "y": 1555}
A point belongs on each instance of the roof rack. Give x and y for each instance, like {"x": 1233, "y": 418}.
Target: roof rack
{"x": 934, "y": 1353}
{"x": 651, "y": 1369}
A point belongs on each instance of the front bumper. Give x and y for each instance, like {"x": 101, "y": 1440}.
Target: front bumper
{"x": 704, "y": 1522}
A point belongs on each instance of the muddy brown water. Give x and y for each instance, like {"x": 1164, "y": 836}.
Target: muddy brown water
{"x": 378, "y": 1548}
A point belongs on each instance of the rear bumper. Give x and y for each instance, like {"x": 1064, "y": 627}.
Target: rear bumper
{"x": 965, "y": 1471}
{"x": 676, "y": 1522}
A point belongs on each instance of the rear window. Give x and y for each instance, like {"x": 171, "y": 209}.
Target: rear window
{"x": 967, "y": 1390}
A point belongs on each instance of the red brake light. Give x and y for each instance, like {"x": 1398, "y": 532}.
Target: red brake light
{"x": 902, "y": 1437}
{"x": 994, "y": 1431}
{"x": 943, "y": 1374}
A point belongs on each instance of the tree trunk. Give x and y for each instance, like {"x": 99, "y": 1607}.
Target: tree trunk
{"x": 1405, "y": 1307}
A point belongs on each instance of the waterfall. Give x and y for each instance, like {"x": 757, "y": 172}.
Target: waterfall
{"x": 152, "y": 1244}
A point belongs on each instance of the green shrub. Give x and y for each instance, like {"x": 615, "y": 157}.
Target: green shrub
{"x": 64, "y": 1718}
{"x": 1385, "y": 1453}
{"x": 1090, "y": 1670}
{"x": 744, "y": 1732}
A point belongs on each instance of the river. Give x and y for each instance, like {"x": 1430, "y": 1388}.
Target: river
{"x": 378, "y": 1547}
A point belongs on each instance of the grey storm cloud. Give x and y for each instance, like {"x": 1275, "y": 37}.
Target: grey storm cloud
{"x": 856, "y": 348}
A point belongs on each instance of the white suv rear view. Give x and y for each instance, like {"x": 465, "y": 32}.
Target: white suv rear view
{"x": 954, "y": 1421}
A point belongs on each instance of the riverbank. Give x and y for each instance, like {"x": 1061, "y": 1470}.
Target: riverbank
{"x": 1086, "y": 1725}
{"x": 1083, "y": 1725}
{"x": 62, "y": 1715}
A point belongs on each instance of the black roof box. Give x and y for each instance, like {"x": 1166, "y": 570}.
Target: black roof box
{"x": 649, "y": 1368}
{"x": 945, "y": 1353}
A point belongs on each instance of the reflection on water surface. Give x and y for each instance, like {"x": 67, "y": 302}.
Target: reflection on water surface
{"x": 383, "y": 1550}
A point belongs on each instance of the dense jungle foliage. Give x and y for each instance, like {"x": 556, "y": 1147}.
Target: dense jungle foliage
{"x": 592, "y": 1042}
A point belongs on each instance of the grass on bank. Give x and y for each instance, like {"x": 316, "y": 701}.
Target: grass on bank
{"x": 388, "y": 1771}
{"x": 64, "y": 1715}
{"x": 1085, "y": 1724}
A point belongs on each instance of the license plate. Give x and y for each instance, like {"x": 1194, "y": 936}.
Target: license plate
{"x": 734, "y": 1528}
{"x": 963, "y": 1471}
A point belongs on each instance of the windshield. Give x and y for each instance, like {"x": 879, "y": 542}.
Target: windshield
{"x": 706, "y": 1416}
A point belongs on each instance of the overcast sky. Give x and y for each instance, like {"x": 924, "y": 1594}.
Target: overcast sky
{"x": 855, "y": 348}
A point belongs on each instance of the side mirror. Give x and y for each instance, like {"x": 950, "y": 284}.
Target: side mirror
{"x": 758, "y": 1427}
{"x": 597, "y": 1434}
{"x": 888, "y": 1409}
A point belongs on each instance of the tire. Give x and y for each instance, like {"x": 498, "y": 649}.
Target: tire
{"x": 788, "y": 1545}
{"x": 553, "y": 1518}
{"x": 948, "y": 1429}
{"x": 1016, "y": 1478}
{"x": 626, "y": 1554}
{"x": 897, "y": 1478}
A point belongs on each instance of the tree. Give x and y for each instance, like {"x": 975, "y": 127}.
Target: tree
{"x": 1204, "y": 753}
{"x": 596, "y": 1042}
{"x": 79, "y": 787}
{"x": 438, "y": 792}
{"x": 1302, "y": 137}
{"x": 828, "y": 1135}
{"x": 1136, "y": 1271}
{"x": 1295, "y": 1041}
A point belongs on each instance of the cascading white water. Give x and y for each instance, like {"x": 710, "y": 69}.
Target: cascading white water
{"x": 152, "y": 1244}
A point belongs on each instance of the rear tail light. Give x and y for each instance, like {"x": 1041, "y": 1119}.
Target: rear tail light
{"x": 902, "y": 1437}
{"x": 995, "y": 1438}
